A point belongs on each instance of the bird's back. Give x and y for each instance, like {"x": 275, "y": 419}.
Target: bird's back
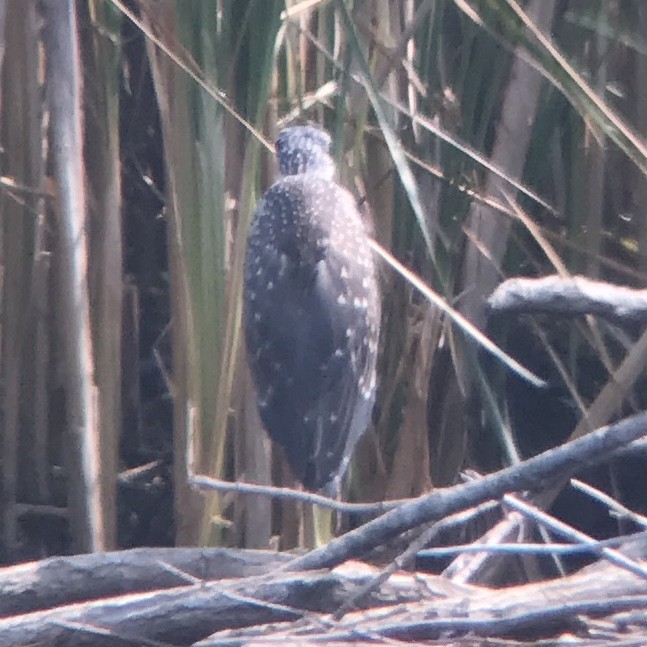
{"x": 312, "y": 314}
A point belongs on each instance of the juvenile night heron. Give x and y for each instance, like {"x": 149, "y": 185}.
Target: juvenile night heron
{"x": 312, "y": 312}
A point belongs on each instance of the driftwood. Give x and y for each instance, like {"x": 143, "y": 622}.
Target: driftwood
{"x": 299, "y": 607}
{"x": 533, "y": 474}
{"x": 566, "y": 296}
{"x": 183, "y": 615}
{"x": 60, "y": 581}
{"x": 570, "y": 296}
{"x": 531, "y": 611}
{"x": 224, "y": 597}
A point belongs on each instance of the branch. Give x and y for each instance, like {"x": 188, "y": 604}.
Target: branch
{"x": 268, "y": 606}
{"x": 59, "y": 581}
{"x": 533, "y": 474}
{"x": 569, "y": 297}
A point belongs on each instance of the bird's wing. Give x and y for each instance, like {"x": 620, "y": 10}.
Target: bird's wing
{"x": 334, "y": 414}
{"x": 289, "y": 340}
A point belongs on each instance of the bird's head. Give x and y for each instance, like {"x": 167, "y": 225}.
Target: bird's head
{"x": 304, "y": 149}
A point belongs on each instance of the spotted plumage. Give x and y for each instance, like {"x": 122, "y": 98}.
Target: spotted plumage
{"x": 312, "y": 312}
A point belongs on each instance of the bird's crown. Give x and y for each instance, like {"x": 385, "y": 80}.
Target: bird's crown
{"x": 304, "y": 149}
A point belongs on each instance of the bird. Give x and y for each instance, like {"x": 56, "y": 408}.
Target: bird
{"x": 311, "y": 312}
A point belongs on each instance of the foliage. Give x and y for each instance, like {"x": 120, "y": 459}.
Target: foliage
{"x": 484, "y": 139}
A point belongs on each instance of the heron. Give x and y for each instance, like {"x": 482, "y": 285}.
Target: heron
{"x": 311, "y": 312}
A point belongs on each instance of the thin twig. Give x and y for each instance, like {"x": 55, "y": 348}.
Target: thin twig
{"x": 540, "y": 517}
{"x": 242, "y": 487}
{"x": 530, "y": 548}
{"x": 615, "y": 506}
